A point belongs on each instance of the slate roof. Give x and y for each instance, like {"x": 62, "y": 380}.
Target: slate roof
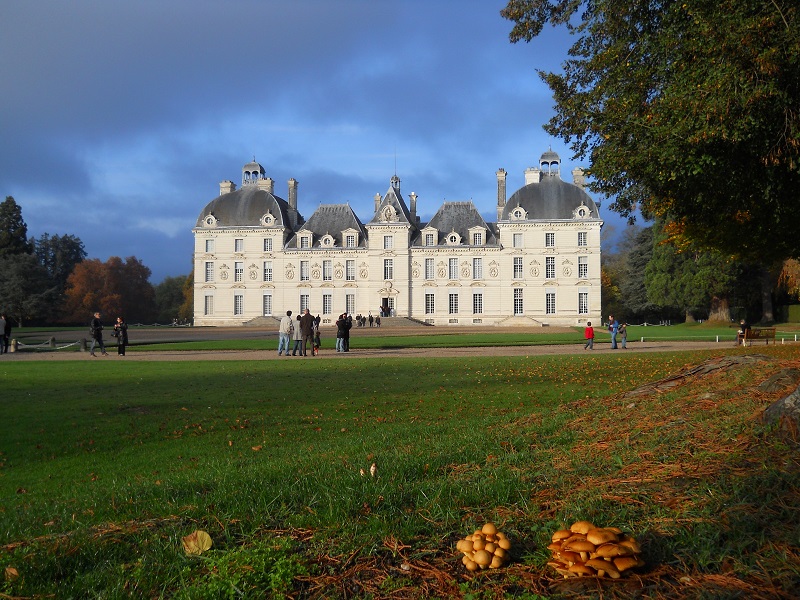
{"x": 331, "y": 219}
{"x": 245, "y": 207}
{"x": 551, "y": 199}
{"x": 394, "y": 198}
{"x": 459, "y": 217}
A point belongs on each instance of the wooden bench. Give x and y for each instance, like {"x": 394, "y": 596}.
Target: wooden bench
{"x": 758, "y": 333}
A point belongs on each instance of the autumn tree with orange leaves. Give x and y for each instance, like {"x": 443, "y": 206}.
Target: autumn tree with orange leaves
{"x": 115, "y": 288}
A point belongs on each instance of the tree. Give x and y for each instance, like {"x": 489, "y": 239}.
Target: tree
{"x": 26, "y": 291}
{"x": 689, "y": 111}
{"x": 169, "y": 298}
{"x": 59, "y": 254}
{"x": 13, "y": 230}
{"x": 186, "y": 312}
{"x": 116, "y": 288}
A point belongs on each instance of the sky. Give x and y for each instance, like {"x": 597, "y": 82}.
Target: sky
{"x": 118, "y": 120}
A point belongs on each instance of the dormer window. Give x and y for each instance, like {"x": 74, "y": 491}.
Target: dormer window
{"x": 210, "y": 221}
{"x": 350, "y": 240}
{"x": 268, "y": 220}
{"x": 305, "y": 242}
{"x": 453, "y": 239}
{"x": 327, "y": 241}
{"x": 518, "y": 213}
{"x": 430, "y": 239}
{"x": 582, "y": 212}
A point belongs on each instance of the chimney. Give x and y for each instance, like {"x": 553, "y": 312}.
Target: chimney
{"x": 532, "y": 175}
{"x": 578, "y": 177}
{"x": 501, "y": 192}
{"x": 377, "y": 202}
{"x": 413, "y": 198}
{"x": 226, "y": 187}
{"x": 267, "y": 184}
{"x": 293, "y": 202}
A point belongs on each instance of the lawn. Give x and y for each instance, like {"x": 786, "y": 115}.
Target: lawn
{"x": 104, "y": 468}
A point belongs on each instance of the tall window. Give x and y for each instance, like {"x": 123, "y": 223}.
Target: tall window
{"x": 452, "y": 268}
{"x": 583, "y": 267}
{"x": 477, "y": 303}
{"x": 209, "y": 246}
{"x": 327, "y": 270}
{"x": 430, "y": 304}
{"x": 517, "y": 267}
{"x": 550, "y": 267}
{"x": 238, "y": 271}
{"x": 388, "y": 242}
{"x": 350, "y": 303}
{"x": 477, "y": 239}
{"x": 267, "y": 270}
{"x": 304, "y": 302}
{"x": 350, "y": 270}
{"x": 327, "y": 304}
{"x": 238, "y": 245}
{"x": 582, "y": 238}
{"x": 477, "y": 268}
{"x": 350, "y": 241}
{"x": 267, "y": 305}
{"x": 453, "y": 304}
{"x": 209, "y": 271}
{"x": 208, "y": 307}
{"x": 388, "y": 268}
{"x": 430, "y": 239}
{"x": 517, "y": 240}
{"x": 305, "y": 241}
{"x": 267, "y": 244}
{"x": 518, "y": 301}
{"x": 583, "y": 303}
{"x": 550, "y": 303}
{"x": 550, "y": 239}
{"x": 238, "y": 304}
{"x": 429, "y": 269}
{"x": 304, "y": 270}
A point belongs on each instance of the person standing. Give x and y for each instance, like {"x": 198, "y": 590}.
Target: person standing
{"x": 341, "y": 326}
{"x": 285, "y": 331}
{"x": 3, "y": 345}
{"x": 6, "y": 333}
{"x": 297, "y": 337}
{"x": 613, "y": 327}
{"x": 348, "y": 325}
{"x": 588, "y": 335}
{"x": 307, "y": 329}
{"x": 623, "y": 333}
{"x": 121, "y": 333}
{"x": 96, "y": 331}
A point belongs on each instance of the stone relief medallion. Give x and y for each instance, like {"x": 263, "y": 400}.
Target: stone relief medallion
{"x": 363, "y": 273}
{"x": 493, "y": 272}
{"x": 253, "y": 275}
{"x": 223, "y": 275}
{"x": 314, "y": 273}
{"x": 465, "y": 272}
{"x": 338, "y": 273}
{"x": 535, "y": 271}
{"x": 567, "y": 271}
{"x": 442, "y": 273}
{"x": 415, "y": 273}
{"x": 289, "y": 274}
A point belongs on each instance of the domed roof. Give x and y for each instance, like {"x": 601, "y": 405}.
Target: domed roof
{"x": 244, "y": 208}
{"x": 549, "y": 157}
{"x": 551, "y": 199}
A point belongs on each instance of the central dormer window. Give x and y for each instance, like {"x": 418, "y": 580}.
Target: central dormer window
{"x": 477, "y": 239}
{"x": 327, "y": 241}
{"x": 305, "y": 241}
{"x": 430, "y": 239}
{"x": 350, "y": 241}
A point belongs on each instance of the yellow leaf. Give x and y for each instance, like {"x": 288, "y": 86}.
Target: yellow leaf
{"x": 196, "y": 542}
{"x": 11, "y": 573}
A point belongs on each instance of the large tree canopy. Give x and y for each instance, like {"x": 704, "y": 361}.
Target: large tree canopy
{"x": 689, "y": 111}
{"x": 13, "y": 230}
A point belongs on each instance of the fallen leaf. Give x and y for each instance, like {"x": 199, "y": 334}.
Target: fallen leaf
{"x": 196, "y": 542}
{"x": 11, "y": 573}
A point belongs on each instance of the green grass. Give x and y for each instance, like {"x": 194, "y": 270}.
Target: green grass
{"x": 104, "y": 467}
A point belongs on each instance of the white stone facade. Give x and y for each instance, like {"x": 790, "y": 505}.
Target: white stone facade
{"x": 539, "y": 264}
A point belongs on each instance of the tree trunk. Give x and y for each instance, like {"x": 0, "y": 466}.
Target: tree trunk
{"x": 767, "y": 283}
{"x": 720, "y": 310}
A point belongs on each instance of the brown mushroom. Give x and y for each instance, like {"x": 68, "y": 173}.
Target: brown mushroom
{"x": 612, "y": 550}
{"x": 603, "y": 567}
{"x": 581, "y": 570}
{"x": 601, "y": 536}
{"x": 623, "y": 563}
{"x": 561, "y": 534}
{"x": 582, "y": 527}
{"x": 579, "y": 546}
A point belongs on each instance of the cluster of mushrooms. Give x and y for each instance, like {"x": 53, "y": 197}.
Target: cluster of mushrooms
{"x": 486, "y": 548}
{"x": 585, "y": 549}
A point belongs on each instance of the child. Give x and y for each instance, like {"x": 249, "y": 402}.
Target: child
{"x": 315, "y": 351}
{"x": 588, "y": 333}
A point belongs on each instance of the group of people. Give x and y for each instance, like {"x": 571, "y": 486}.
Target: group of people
{"x": 614, "y": 327}
{"x": 5, "y": 333}
{"x": 96, "y": 331}
{"x": 304, "y": 333}
{"x": 361, "y": 320}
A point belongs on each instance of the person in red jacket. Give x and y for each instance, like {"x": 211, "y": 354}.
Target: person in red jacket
{"x": 588, "y": 334}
